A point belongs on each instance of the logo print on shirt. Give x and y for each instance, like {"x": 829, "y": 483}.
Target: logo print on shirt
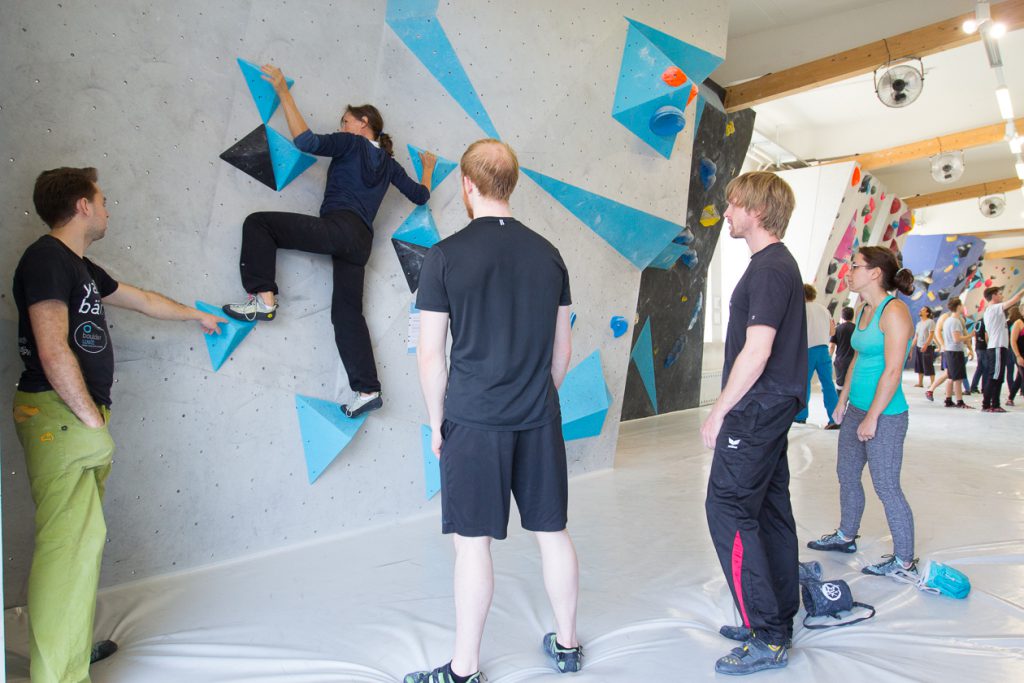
{"x": 91, "y": 300}
{"x": 90, "y": 337}
{"x": 733, "y": 443}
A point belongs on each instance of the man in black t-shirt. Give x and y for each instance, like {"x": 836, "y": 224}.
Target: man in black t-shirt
{"x": 495, "y": 419}
{"x": 61, "y": 411}
{"x": 763, "y": 388}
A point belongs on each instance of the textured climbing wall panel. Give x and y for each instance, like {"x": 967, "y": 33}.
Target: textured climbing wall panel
{"x": 944, "y": 266}
{"x": 672, "y": 299}
{"x": 210, "y": 465}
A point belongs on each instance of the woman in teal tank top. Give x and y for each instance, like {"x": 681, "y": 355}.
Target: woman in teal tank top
{"x": 872, "y": 411}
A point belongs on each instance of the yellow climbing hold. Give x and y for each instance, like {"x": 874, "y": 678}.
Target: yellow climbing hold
{"x": 684, "y": 298}
{"x": 730, "y": 128}
{"x": 709, "y": 216}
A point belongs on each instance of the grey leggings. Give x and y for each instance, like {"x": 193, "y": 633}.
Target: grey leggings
{"x": 884, "y": 457}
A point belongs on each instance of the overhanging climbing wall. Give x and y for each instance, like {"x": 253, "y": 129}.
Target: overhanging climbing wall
{"x": 668, "y": 339}
{"x": 944, "y": 266}
{"x": 214, "y": 464}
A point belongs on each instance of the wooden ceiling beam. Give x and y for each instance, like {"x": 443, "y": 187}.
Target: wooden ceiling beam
{"x": 1005, "y": 253}
{"x": 995, "y": 234}
{"x": 922, "y": 149}
{"x": 919, "y": 43}
{"x": 960, "y": 193}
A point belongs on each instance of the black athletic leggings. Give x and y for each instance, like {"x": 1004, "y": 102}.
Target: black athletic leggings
{"x": 347, "y": 240}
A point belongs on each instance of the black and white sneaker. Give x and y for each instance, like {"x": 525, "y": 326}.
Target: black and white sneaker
{"x": 362, "y": 404}
{"x": 251, "y": 310}
{"x": 834, "y": 541}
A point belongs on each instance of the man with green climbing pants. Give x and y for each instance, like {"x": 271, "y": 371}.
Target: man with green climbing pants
{"x": 61, "y": 413}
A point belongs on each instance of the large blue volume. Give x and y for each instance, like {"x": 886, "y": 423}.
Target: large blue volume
{"x": 584, "y": 399}
{"x": 416, "y": 23}
{"x": 288, "y": 161}
{"x": 441, "y": 169}
{"x": 262, "y": 92}
{"x": 325, "y": 432}
{"x": 640, "y": 237}
{"x": 643, "y": 356}
{"x": 641, "y": 92}
{"x": 232, "y": 332}
{"x": 431, "y": 465}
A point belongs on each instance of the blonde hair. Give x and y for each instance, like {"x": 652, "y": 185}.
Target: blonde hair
{"x": 766, "y": 195}
{"x": 493, "y": 167}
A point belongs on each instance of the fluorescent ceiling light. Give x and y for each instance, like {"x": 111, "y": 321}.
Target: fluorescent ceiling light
{"x": 1005, "y": 105}
{"x": 970, "y": 26}
{"x": 1016, "y": 144}
{"x": 1020, "y": 169}
{"x": 997, "y": 30}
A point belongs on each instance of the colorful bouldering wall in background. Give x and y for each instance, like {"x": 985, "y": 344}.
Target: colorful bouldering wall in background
{"x": 943, "y": 266}
{"x": 669, "y": 327}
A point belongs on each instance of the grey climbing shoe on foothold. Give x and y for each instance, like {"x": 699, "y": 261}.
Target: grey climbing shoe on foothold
{"x": 362, "y": 404}
{"x": 250, "y": 310}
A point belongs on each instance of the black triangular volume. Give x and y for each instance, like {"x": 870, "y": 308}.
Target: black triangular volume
{"x": 411, "y": 257}
{"x": 251, "y": 155}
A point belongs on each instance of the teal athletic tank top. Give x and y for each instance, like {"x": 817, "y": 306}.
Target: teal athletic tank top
{"x": 869, "y": 344}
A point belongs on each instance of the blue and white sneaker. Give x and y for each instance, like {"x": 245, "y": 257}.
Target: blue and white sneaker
{"x": 567, "y": 659}
{"x": 834, "y": 541}
{"x": 893, "y": 567}
{"x": 442, "y": 674}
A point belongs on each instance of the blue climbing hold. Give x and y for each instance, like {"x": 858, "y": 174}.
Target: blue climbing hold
{"x": 325, "y": 432}
{"x": 232, "y": 332}
{"x": 262, "y": 92}
{"x": 618, "y": 325}
{"x": 708, "y": 173}
{"x": 667, "y": 120}
{"x": 431, "y": 465}
{"x": 643, "y": 356}
{"x": 584, "y": 399}
{"x": 288, "y": 161}
{"x": 441, "y": 170}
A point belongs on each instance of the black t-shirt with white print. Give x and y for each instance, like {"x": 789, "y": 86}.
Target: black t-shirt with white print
{"x": 771, "y": 293}
{"x": 49, "y": 269}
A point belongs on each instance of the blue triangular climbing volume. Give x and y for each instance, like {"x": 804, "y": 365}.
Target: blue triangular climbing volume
{"x": 584, "y": 399}
{"x": 431, "y": 465}
{"x": 641, "y": 91}
{"x": 640, "y": 237}
{"x": 643, "y": 356}
{"x": 325, "y": 432}
{"x": 416, "y": 23}
{"x": 441, "y": 169}
{"x": 232, "y": 332}
{"x": 697, "y": 64}
{"x": 262, "y": 91}
{"x": 288, "y": 160}
{"x": 419, "y": 228}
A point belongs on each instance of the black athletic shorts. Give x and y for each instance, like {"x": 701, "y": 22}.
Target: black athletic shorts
{"x": 481, "y": 468}
{"x": 956, "y": 364}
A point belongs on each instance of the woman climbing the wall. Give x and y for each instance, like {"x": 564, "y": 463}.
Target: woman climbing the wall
{"x": 362, "y": 166}
{"x": 872, "y": 411}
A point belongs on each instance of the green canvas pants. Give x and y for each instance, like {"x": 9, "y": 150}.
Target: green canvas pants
{"x": 67, "y": 464}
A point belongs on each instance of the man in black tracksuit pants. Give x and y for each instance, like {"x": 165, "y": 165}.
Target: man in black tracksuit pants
{"x": 748, "y": 506}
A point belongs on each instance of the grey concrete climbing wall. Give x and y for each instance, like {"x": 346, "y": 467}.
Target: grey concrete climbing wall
{"x": 209, "y": 464}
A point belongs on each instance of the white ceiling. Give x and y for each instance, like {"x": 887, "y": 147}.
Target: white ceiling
{"x": 846, "y": 117}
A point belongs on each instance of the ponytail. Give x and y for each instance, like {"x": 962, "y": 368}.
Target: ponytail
{"x": 386, "y": 144}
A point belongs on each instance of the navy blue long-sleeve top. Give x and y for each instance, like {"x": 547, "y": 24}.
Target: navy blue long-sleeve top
{"x": 359, "y": 174}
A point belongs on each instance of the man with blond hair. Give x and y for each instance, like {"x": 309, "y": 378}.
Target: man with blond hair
{"x": 763, "y": 387}
{"x": 495, "y": 419}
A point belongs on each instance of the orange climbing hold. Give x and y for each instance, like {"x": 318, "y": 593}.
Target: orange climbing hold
{"x": 674, "y": 76}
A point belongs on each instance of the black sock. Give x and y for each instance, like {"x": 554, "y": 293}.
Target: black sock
{"x": 563, "y": 647}
{"x": 456, "y": 677}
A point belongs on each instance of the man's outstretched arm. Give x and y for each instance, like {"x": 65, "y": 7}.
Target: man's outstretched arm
{"x": 156, "y": 305}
